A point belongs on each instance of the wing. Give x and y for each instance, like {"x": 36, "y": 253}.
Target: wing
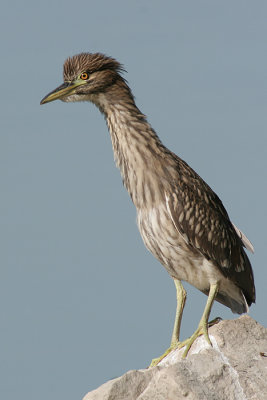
{"x": 200, "y": 217}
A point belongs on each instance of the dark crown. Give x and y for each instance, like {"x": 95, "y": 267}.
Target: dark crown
{"x": 89, "y": 62}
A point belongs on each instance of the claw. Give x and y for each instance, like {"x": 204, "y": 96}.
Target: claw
{"x": 201, "y": 330}
{"x": 187, "y": 343}
{"x": 156, "y": 361}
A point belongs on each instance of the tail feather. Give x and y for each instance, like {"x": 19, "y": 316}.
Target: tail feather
{"x": 237, "y": 307}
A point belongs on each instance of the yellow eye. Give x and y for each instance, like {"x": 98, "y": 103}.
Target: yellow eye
{"x": 84, "y": 76}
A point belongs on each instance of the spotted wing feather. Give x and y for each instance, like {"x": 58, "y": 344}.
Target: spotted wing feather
{"x": 199, "y": 215}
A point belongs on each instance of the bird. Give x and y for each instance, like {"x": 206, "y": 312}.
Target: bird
{"x": 182, "y": 222}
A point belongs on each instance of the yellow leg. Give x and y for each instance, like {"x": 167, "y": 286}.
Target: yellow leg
{"x": 181, "y": 298}
{"x": 203, "y": 324}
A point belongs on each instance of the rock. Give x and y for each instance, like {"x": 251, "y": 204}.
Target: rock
{"x": 235, "y": 368}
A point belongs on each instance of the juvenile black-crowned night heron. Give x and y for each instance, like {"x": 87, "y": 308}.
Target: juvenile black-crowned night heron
{"x": 181, "y": 220}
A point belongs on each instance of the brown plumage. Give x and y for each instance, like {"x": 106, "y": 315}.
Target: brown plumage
{"x": 182, "y": 221}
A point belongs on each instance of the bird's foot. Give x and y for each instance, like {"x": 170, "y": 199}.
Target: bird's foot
{"x": 174, "y": 345}
{"x": 201, "y": 330}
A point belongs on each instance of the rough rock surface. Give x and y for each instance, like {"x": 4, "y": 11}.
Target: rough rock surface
{"x": 235, "y": 368}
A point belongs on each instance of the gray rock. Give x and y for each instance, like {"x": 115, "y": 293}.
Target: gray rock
{"x": 235, "y": 368}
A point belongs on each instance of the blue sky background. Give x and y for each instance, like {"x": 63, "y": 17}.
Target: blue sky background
{"x": 82, "y": 300}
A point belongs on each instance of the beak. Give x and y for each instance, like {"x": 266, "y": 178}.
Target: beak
{"x": 59, "y": 92}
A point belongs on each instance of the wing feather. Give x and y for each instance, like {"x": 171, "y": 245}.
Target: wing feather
{"x": 200, "y": 217}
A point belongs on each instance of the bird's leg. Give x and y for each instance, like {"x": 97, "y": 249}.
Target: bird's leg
{"x": 203, "y": 324}
{"x": 181, "y": 298}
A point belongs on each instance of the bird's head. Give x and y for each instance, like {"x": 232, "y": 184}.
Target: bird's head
{"x": 86, "y": 76}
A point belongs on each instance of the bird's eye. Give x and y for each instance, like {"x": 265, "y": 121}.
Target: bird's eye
{"x": 84, "y": 76}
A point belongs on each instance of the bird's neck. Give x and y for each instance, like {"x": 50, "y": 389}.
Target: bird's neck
{"x": 137, "y": 148}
